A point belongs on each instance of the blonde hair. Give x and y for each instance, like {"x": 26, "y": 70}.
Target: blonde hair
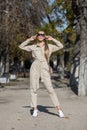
{"x": 46, "y": 51}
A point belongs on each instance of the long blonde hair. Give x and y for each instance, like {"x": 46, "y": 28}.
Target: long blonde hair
{"x": 46, "y": 51}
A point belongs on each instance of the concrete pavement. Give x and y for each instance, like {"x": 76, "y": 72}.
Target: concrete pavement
{"x": 15, "y": 112}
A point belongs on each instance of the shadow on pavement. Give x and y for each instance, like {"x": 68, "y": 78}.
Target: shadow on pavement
{"x": 42, "y": 109}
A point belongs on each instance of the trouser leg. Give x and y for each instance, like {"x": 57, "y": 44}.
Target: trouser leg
{"x": 33, "y": 102}
{"x": 49, "y": 87}
{"x": 34, "y": 85}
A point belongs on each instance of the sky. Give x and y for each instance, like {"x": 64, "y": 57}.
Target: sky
{"x": 50, "y": 1}
{"x": 64, "y": 26}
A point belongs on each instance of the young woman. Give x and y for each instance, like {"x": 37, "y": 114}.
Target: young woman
{"x": 41, "y": 52}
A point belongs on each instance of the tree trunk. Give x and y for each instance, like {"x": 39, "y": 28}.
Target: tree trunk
{"x": 82, "y": 87}
{"x": 1, "y": 67}
{"x": 7, "y": 41}
{"x": 74, "y": 77}
{"x": 80, "y": 68}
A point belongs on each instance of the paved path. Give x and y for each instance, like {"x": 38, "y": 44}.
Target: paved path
{"x": 15, "y": 111}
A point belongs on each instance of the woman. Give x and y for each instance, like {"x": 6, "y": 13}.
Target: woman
{"x": 41, "y": 52}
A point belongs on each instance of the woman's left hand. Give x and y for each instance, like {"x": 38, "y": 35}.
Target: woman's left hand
{"x": 49, "y": 38}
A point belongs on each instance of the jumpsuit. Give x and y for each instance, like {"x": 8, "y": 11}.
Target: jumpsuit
{"x": 40, "y": 68}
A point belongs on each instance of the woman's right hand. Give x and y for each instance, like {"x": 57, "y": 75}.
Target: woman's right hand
{"x": 32, "y": 38}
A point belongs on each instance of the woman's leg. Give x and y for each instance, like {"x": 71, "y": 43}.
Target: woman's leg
{"x": 34, "y": 85}
{"x": 51, "y": 92}
{"x": 54, "y": 98}
{"x": 33, "y": 91}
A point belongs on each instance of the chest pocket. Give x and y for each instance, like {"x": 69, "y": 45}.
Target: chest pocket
{"x": 36, "y": 53}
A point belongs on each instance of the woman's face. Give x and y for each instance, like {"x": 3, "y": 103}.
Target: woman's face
{"x": 41, "y": 36}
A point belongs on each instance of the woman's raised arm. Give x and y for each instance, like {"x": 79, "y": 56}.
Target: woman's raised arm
{"x": 58, "y": 45}
{"x": 24, "y": 45}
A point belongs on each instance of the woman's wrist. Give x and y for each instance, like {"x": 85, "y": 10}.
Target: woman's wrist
{"x": 58, "y": 43}
{"x": 54, "y": 40}
{"x": 32, "y": 38}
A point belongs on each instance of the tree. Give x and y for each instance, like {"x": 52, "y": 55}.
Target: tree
{"x": 27, "y": 17}
{"x": 4, "y": 50}
{"x": 58, "y": 15}
{"x": 80, "y": 53}
{"x": 18, "y": 20}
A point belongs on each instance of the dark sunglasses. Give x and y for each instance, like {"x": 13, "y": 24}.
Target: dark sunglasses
{"x": 41, "y": 34}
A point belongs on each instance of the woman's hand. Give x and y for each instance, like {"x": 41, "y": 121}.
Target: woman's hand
{"x": 32, "y": 38}
{"x": 49, "y": 38}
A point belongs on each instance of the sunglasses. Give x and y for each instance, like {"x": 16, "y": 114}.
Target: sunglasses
{"x": 41, "y": 34}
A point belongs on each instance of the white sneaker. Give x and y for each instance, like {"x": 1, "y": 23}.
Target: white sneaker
{"x": 35, "y": 113}
{"x": 60, "y": 114}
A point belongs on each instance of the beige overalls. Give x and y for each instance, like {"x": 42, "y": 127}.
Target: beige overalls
{"x": 40, "y": 68}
